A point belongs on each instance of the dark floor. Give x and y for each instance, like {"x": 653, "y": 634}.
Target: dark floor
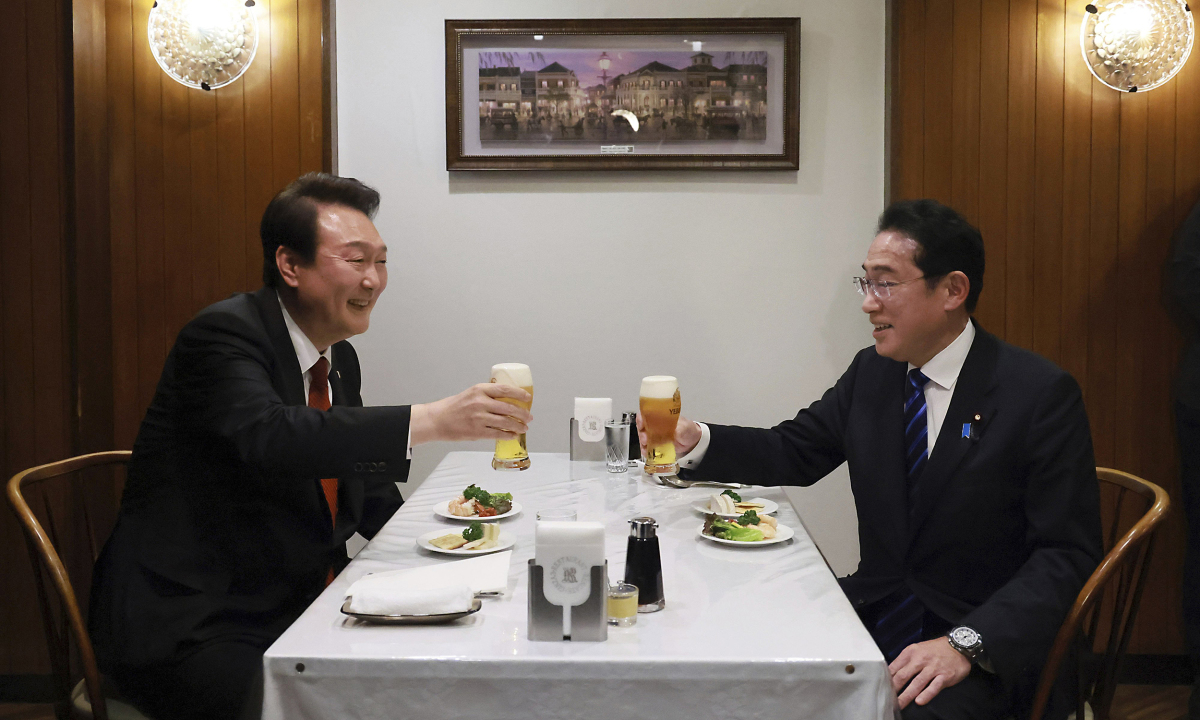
{"x": 1132, "y": 702}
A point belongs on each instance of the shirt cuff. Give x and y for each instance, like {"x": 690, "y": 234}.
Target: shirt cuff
{"x": 693, "y": 458}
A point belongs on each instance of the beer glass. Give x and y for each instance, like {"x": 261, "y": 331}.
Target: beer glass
{"x": 511, "y": 453}
{"x": 659, "y": 405}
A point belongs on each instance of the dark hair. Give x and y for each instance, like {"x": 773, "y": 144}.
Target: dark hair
{"x": 945, "y": 242}
{"x": 290, "y": 219}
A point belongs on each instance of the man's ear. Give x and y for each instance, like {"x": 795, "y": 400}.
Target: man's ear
{"x": 958, "y": 286}
{"x": 287, "y": 261}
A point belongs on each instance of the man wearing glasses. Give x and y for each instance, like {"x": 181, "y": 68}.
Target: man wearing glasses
{"x": 972, "y": 470}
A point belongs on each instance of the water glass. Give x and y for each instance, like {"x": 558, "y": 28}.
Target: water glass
{"x": 616, "y": 443}
{"x": 556, "y": 515}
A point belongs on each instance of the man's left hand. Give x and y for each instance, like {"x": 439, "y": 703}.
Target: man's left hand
{"x": 930, "y": 666}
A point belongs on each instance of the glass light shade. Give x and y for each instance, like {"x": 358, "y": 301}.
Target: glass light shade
{"x": 203, "y": 44}
{"x": 1136, "y": 45}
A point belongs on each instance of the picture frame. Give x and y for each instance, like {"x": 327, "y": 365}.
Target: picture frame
{"x": 623, "y": 94}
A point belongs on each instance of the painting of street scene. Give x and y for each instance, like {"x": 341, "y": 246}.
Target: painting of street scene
{"x": 621, "y": 97}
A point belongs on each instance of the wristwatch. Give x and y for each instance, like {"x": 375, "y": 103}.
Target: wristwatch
{"x": 966, "y": 641}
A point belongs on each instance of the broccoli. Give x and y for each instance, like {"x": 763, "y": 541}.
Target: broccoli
{"x": 750, "y": 517}
{"x": 733, "y": 496}
{"x": 473, "y": 532}
{"x": 479, "y": 495}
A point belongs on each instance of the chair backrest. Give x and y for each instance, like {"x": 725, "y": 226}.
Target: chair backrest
{"x": 62, "y": 619}
{"x": 1100, "y": 622}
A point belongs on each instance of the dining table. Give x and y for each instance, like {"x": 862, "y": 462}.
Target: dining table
{"x": 747, "y": 631}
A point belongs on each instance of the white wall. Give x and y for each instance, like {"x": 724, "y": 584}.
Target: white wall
{"x": 751, "y": 271}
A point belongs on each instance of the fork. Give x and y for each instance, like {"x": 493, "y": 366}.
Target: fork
{"x": 673, "y": 480}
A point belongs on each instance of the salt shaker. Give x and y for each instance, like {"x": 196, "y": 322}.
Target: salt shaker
{"x": 643, "y": 566}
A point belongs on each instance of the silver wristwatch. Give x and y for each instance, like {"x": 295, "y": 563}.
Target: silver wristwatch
{"x": 966, "y": 641}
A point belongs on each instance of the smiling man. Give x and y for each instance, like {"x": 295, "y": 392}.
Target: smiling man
{"x": 257, "y": 462}
{"x": 972, "y": 470}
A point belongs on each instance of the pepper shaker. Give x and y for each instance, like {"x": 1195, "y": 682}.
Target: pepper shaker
{"x": 643, "y": 565}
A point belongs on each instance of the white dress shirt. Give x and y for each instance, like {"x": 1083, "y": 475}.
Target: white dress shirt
{"x": 307, "y": 355}
{"x": 942, "y": 370}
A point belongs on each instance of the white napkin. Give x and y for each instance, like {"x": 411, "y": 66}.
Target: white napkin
{"x": 591, "y": 414}
{"x": 486, "y": 573}
{"x": 391, "y": 596}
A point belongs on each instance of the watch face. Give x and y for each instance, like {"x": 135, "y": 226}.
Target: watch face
{"x": 964, "y": 636}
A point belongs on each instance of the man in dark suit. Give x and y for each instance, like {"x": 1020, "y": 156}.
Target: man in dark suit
{"x": 256, "y": 462}
{"x": 972, "y": 471}
{"x": 1185, "y": 288}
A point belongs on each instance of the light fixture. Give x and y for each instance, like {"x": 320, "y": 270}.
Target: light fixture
{"x": 1136, "y": 45}
{"x": 203, "y": 44}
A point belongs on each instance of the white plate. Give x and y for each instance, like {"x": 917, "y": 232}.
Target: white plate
{"x": 769, "y": 506}
{"x": 504, "y": 542}
{"x": 443, "y": 509}
{"x": 783, "y": 533}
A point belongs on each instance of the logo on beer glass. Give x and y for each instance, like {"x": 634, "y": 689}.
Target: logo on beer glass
{"x": 511, "y": 453}
{"x": 660, "y": 407}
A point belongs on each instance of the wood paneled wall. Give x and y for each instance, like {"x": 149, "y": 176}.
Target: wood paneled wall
{"x": 191, "y": 173}
{"x": 128, "y": 202}
{"x": 1077, "y": 190}
{"x": 35, "y": 357}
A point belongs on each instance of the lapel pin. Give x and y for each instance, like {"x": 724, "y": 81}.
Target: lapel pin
{"x": 970, "y": 430}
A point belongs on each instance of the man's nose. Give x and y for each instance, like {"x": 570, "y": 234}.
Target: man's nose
{"x": 371, "y": 277}
{"x": 870, "y": 303}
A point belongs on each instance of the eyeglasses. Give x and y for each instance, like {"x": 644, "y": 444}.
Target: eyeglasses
{"x": 881, "y": 288}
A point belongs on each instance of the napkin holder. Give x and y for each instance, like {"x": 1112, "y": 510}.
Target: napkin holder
{"x": 587, "y": 429}
{"x": 589, "y": 621}
{"x": 586, "y": 450}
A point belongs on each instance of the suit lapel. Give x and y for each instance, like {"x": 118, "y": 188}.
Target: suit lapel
{"x": 335, "y": 382}
{"x": 885, "y": 484}
{"x": 971, "y": 399}
{"x": 289, "y": 378}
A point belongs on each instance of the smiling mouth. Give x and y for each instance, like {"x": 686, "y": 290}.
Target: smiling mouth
{"x": 880, "y": 327}
{"x": 359, "y": 304}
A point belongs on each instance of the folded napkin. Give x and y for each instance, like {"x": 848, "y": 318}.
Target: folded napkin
{"x": 487, "y": 573}
{"x": 373, "y": 595}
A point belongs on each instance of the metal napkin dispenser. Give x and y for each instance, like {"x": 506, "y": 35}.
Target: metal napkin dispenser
{"x": 568, "y": 583}
{"x": 587, "y": 428}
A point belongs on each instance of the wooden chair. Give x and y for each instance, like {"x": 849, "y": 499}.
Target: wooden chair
{"x": 63, "y": 620}
{"x": 1098, "y": 626}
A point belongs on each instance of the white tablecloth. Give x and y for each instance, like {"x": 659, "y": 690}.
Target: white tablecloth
{"x": 747, "y": 632}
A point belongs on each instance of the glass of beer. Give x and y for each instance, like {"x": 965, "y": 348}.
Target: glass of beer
{"x": 659, "y": 404}
{"x": 510, "y": 452}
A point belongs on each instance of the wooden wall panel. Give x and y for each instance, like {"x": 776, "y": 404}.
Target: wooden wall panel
{"x": 128, "y": 202}
{"x": 35, "y": 340}
{"x": 204, "y": 166}
{"x": 1080, "y": 190}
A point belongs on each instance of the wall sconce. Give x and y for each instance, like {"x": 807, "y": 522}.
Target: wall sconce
{"x": 1136, "y": 45}
{"x": 203, "y": 44}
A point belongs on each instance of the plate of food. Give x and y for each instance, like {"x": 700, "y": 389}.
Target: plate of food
{"x": 411, "y": 619}
{"x": 748, "y": 530}
{"x": 729, "y": 504}
{"x": 478, "y": 539}
{"x": 475, "y": 503}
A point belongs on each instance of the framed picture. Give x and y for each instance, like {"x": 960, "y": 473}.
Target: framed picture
{"x": 711, "y": 94}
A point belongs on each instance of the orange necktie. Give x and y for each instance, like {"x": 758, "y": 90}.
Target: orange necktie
{"x": 318, "y": 397}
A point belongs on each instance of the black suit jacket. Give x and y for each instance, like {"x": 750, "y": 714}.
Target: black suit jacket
{"x": 223, "y": 527}
{"x": 1005, "y": 528}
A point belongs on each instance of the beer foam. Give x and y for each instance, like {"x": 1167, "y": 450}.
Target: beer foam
{"x": 514, "y": 374}
{"x": 659, "y": 386}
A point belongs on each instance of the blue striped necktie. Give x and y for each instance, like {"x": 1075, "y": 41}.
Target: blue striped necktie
{"x": 900, "y": 618}
{"x": 916, "y": 430}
